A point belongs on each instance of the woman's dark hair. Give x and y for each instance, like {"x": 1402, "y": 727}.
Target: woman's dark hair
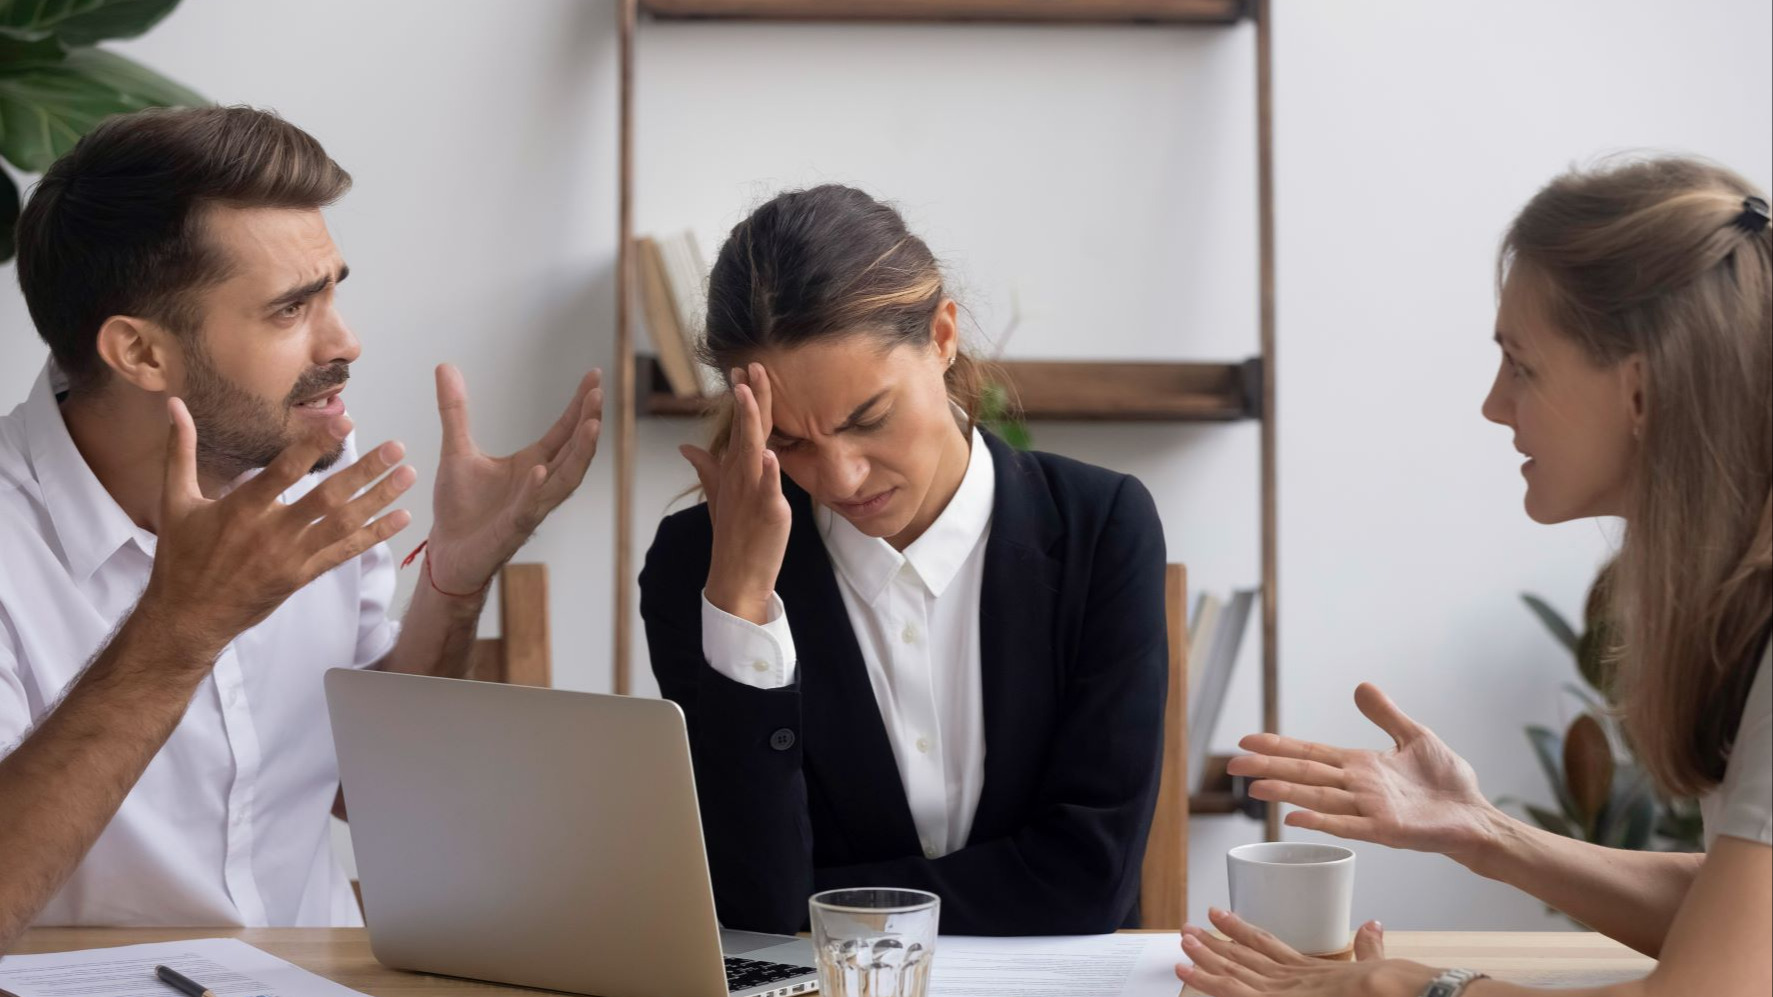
{"x": 820, "y": 264}
{"x": 115, "y": 227}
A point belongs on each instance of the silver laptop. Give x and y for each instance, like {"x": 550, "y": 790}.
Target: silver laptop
{"x": 541, "y": 838}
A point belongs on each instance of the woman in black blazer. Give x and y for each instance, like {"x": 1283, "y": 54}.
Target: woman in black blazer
{"x": 924, "y": 660}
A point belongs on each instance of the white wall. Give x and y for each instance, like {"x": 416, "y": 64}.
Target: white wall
{"x": 1096, "y": 181}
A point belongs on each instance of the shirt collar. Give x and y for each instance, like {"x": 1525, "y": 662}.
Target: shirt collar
{"x": 89, "y": 524}
{"x": 868, "y": 563}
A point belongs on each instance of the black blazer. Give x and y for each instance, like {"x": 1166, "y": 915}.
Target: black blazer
{"x": 799, "y": 789}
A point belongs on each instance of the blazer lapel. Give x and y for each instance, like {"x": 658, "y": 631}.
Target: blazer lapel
{"x": 845, "y": 741}
{"x": 1018, "y": 610}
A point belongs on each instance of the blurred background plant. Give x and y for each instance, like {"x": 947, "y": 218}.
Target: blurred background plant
{"x": 1602, "y": 794}
{"x": 55, "y": 84}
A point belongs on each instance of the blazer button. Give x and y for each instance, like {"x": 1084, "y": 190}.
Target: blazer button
{"x": 782, "y": 739}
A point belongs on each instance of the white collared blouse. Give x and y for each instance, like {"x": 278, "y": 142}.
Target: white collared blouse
{"x": 916, "y": 618}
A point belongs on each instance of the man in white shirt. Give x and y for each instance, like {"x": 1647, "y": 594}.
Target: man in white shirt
{"x": 188, "y": 538}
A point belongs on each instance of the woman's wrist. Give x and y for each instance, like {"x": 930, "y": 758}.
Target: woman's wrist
{"x": 1402, "y": 978}
{"x": 743, "y": 602}
{"x": 1494, "y": 839}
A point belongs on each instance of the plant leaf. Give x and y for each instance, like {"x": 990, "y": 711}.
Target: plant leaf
{"x": 1559, "y": 627}
{"x": 133, "y": 80}
{"x": 1588, "y": 768}
{"x": 16, "y": 55}
{"x": 80, "y": 22}
{"x": 45, "y": 109}
{"x": 1630, "y": 816}
{"x": 8, "y": 216}
{"x": 1549, "y": 748}
{"x": 1682, "y": 825}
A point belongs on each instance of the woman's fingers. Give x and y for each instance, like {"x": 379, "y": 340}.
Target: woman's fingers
{"x": 1255, "y": 940}
{"x": 772, "y": 474}
{"x": 707, "y": 472}
{"x": 1369, "y": 942}
{"x": 1207, "y": 984}
{"x": 1288, "y": 747}
{"x": 751, "y": 435}
{"x": 1326, "y": 801}
{"x": 1288, "y": 770}
{"x": 1379, "y": 708}
{"x": 1221, "y": 957}
{"x": 1340, "y": 825}
{"x": 758, "y": 380}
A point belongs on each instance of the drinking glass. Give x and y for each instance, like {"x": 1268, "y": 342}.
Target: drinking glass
{"x": 875, "y": 941}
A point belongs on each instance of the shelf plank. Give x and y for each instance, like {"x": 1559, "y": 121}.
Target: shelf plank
{"x": 1054, "y": 390}
{"x": 1027, "y": 11}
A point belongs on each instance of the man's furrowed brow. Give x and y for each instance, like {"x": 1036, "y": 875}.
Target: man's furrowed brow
{"x": 297, "y": 295}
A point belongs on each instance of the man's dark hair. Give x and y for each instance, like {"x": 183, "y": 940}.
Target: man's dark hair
{"x": 115, "y": 227}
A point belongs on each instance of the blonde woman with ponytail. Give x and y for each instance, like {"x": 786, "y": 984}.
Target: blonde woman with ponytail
{"x": 1636, "y": 327}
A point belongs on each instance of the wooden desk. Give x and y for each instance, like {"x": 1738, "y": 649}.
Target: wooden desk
{"x": 342, "y": 954}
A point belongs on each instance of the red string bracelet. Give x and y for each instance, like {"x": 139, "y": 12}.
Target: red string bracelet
{"x": 425, "y": 569}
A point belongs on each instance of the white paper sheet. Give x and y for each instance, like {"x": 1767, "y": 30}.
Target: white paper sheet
{"x": 227, "y": 966}
{"x": 1072, "y": 966}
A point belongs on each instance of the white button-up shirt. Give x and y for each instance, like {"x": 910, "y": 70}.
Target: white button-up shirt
{"x": 229, "y": 824}
{"x": 916, "y": 616}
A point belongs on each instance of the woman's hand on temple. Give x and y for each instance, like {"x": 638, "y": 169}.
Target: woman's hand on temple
{"x": 744, "y": 491}
{"x": 1417, "y": 795}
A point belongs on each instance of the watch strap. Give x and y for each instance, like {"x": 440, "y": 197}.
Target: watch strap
{"x": 1452, "y": 983}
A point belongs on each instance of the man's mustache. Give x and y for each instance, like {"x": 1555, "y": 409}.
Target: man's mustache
{"x": 319, "y": 379}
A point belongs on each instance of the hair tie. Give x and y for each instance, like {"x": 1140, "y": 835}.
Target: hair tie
{"x": 1753, "y": 219}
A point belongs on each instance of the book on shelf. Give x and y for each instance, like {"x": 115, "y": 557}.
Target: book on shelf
{"x": 1215, "y": 638}
{"x": 673, "y": 289}
{"x": 1202, "y": 625}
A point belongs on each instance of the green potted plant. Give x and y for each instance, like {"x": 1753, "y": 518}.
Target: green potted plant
{"x": 55, "y": 84}
{"x": 1602, "y": 795}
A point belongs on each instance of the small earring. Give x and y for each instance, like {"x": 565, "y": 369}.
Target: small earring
{"x": 951, "y": 361}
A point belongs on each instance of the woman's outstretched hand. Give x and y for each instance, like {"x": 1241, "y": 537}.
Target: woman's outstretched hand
{"x": 744, "y": 491}
{"x": 1246, "y": 961}
{"x": 1417, "y": 795}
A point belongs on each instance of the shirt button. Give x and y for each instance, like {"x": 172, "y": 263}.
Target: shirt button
{"x": 929, "y": 850}
{"x": 782, "y": 739}
{"x": 923, "y": 745}
{"x": 761, "y": 665}
{"x": 909, "y": 634}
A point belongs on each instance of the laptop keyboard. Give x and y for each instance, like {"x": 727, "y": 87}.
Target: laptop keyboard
{"x": 743, "y": 974}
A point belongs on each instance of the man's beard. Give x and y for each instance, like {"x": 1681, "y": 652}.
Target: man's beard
{"x": 238, "y": 432}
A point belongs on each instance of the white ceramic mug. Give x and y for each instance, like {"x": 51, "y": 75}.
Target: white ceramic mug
{"x": 1301, "y": 893}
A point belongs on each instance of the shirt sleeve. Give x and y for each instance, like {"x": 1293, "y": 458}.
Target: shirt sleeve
{"x": 761, "y": 657}
{"x": 15, "y": 709}
{"x": 1746, "y": 794}
{"x": 376, "y": 631}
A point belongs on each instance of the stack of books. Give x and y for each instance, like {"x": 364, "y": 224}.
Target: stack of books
{"x": 1214, "y": 638}
{"x": 674, "y": 302}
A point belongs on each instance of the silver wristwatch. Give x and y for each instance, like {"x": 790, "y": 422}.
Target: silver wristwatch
{"x": 1452, "y": 983}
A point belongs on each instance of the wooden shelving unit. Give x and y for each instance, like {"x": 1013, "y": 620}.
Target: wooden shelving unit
{"x": 1026, "y": 11}
{"x": 1072, "y": 390}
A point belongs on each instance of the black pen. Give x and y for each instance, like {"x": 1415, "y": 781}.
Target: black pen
{"x": 185, "y": 985}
